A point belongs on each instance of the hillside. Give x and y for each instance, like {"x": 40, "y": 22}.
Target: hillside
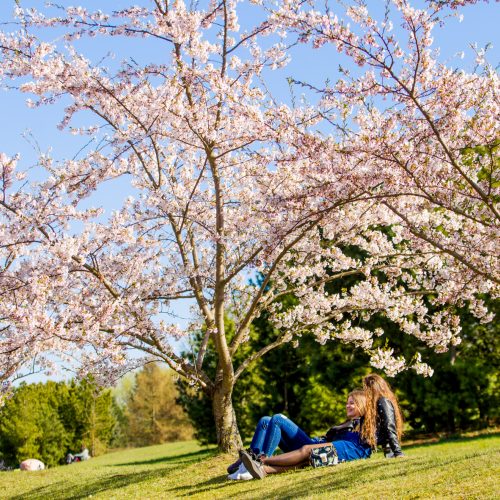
{"x": 463, "y": 468}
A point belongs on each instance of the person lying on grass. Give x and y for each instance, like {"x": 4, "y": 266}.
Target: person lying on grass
{"x": 373, "y": 417}
{"x": 346, "y": 439}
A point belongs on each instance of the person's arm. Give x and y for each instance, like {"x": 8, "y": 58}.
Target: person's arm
{"x": 387, "y": 419}
{"x": 292, "y": 458}
{"x": 84, "y": 455}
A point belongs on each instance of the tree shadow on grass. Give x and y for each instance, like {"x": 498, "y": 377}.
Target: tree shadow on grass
{"x": 63, "y": 490}
{"x": 219, "y": 483}
{"x": 225, "y": 488}
{"x": 212, "y": 485}
{"x": 184, "y": 458}
{"x": 387, "y": 470}
{"x": 329, "y": 480}
{"x": 320, "y": 482}
{"x": 221, "y": 487}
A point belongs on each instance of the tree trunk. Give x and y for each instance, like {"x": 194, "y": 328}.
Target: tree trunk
{"x": 228, "y": 435}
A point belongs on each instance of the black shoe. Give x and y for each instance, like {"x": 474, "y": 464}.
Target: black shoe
{"x": 234, "y": 466}
{"x": 255, "y": 467}
{"x": 255, "y": 456}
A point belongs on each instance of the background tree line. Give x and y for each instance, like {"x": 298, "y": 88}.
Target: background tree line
{"x": 49, "y": 420}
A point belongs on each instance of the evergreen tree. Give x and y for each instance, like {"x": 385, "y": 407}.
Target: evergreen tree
{"x": 30, "y": 426}
{"x": 250, "y": 396}
{"x": 99, "y": 418}
{"x": 308, "y": 384}
{"x": 121, "y": 394}
{"x": 153, "y": 415}
{"x": 464, "y": 392}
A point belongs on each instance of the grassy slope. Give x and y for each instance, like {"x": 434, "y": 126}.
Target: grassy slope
{"x": 466, "y": 468}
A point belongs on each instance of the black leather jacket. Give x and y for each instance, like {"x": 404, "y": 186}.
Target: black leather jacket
{"x": 387, "y": 436}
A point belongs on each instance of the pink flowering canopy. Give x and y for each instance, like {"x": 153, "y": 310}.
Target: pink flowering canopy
{"x": 396, "y": 159}
{"x": 428, "y": 132}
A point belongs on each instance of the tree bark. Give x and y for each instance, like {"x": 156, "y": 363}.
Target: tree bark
{"x": 228, "y": 435}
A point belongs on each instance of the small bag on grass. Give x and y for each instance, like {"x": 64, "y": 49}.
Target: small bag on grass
{"x": 324, "y": 456}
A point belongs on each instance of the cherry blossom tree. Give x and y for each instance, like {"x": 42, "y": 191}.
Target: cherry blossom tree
{"x": 227, "y": 181}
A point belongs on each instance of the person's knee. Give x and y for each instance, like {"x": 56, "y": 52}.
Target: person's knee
{"x": 278, "y": 418}
{"x": 264, "y": 422}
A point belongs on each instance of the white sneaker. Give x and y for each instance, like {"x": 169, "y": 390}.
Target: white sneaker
{"x": 241, "y": 474}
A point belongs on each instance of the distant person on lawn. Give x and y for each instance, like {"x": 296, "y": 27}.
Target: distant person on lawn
{"x": 373, "y": 417}
{"x": 78, "y": 457}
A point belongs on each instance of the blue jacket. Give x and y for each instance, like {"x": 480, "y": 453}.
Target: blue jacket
{"x": 350, "y": 446}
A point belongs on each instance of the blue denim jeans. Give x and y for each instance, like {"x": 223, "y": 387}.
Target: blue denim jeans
{"x": 279, "y": 430}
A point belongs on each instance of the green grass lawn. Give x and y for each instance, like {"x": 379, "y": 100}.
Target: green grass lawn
{"x": 462, "y": 468}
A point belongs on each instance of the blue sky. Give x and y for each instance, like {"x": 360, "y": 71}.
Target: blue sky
{"x": 480, "y": 25}
{"x": 22, "y": 128}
